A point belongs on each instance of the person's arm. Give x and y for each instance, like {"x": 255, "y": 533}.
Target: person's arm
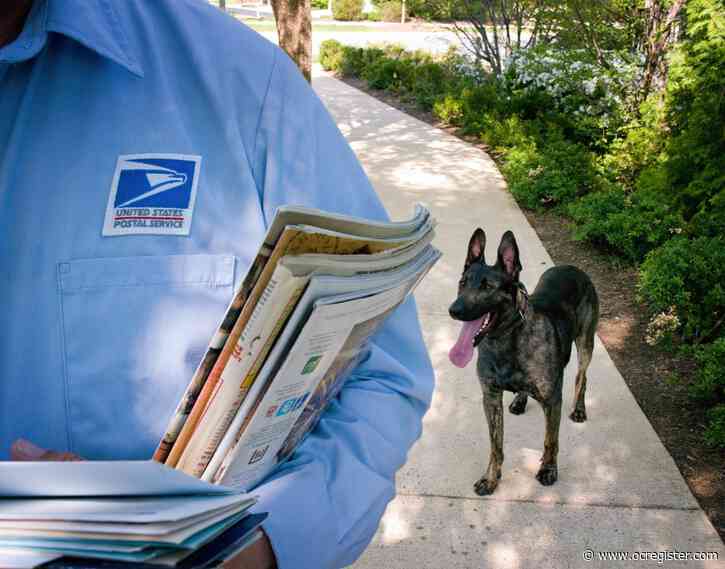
{"x": 326, "y": 502}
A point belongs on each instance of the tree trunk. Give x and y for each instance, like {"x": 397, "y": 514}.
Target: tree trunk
{"x": 294, "y": 28}
{"x": 660, "y": 33}
{"x": 402, "y": 12}
{"x": 223, "y": 5}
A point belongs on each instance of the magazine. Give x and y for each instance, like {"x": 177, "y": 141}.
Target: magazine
{"x": 285, "y": 216}
{"x": 309, "y": 262}
{"x": 293, "y": 240}
{"x": 322, "y": 338}
{"x": 282, "y": 294}
{"x": 320, "y": 288}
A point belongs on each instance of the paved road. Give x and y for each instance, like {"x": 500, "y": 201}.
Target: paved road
{"x": 619, "y": 489}
{"x": 430, "y": 40}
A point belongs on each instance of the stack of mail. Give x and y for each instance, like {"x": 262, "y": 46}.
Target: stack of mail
{"x": 139, "y": 512}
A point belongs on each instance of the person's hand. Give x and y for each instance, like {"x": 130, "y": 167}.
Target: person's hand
{"x": 259, "y": 555}
{"x": 24, "y": 450}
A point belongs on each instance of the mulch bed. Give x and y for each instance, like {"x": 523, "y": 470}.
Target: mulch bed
{"x": 657, "y": 379}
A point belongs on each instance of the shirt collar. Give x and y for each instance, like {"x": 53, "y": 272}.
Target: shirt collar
{"x": 92, "y": 23}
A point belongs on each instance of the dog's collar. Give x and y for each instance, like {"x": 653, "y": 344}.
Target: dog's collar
{"x": 521, "y": 300}
{"x": 518, "y": 317}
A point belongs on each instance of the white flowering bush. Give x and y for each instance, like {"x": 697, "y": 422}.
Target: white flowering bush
{"x": 465, "y": 67}
{"x": 591, "y": 96}
{"x": 662, "y": 327}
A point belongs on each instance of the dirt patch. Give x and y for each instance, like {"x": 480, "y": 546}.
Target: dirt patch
{"x": 657, "y": 379}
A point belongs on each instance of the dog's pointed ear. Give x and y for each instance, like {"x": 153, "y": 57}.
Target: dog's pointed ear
{"x": 508, "y": 256}
{"x": 476, "y": 247}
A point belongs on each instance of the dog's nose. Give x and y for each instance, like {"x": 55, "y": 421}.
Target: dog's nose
{"x": 456, "y": 309}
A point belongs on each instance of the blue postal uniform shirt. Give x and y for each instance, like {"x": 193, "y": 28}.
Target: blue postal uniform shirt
{"x": 111, "y": 284}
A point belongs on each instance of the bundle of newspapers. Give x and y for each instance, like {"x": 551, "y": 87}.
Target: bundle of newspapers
{"x": 118, "y": 514}
{"x": 318, "y": 289}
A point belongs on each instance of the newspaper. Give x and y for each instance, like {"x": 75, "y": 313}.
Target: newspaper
{"x": 285, "y": 216}
{"x": 318, "y": 289}
{"x": 283, "y": 291}
{"x": 293, "y": 240}
{"x": 320, "y": 286}
{"x": 315, "y": 350}
{"x": 330, "y": 341}
{"x": 269, "y": 316}
{"x": 134, "y": 511}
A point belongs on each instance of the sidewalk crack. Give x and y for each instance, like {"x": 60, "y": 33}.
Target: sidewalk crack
{"x": 557, "y": 503}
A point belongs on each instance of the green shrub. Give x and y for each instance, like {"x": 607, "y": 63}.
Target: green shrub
{"x": 629, "y": 225}
{"x": 319, "y": 4}
{"x": 394, "y": 50}
{"x": 715, "y": 431}
{"x": 347, "y": 10}
{"x": 387, "y": 74}
{"x": 637, "y": 148}
{"x": 504, "y": 134}
{"x": 551, "y": 174}
{"x": 331, "y": 55}
{"x": 391, "y": 11}
{"x": 428, "y": 84}
{"x": 471, "y": 107}
{"x": 442, "y": 10}
{"x": 689, "y": 275}
{"x": 478, "y": 99}
{"x": 695, "y": 148}
{"x": 709, "y": 383}
{"x": 449, "y": 109}
{"x": 356, "y": 59}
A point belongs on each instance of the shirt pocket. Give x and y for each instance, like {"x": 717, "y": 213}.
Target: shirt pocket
{"x": 134, "y": 330}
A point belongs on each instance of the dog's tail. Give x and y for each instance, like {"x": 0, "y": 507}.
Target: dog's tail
{"x": 587, "y": 314}
{"x": 587, "y": 317}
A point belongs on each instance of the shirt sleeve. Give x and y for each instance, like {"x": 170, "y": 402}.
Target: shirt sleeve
{"x": 325, "y": 503}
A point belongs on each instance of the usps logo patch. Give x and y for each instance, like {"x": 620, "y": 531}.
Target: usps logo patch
{"x": 152, "y": 194}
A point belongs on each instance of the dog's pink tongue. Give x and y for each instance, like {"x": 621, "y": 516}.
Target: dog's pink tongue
{"x": 462, "y": 352}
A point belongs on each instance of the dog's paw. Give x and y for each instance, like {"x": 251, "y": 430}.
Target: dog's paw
{"x": 484, "y": 486}
{"x": 518, "y": 406}
{"x": 548, "y": 474}
{"x": 578, "y": 415}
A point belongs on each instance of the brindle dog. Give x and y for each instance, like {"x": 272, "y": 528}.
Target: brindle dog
{"x": 524, "y": 343}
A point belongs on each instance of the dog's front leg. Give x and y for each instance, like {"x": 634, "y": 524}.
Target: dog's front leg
{"x": 549, "y": 471}
{"x": 493, "y": 407}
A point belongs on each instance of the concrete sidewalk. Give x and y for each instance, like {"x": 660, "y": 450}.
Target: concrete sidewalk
{"x": 618, "y": 488}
